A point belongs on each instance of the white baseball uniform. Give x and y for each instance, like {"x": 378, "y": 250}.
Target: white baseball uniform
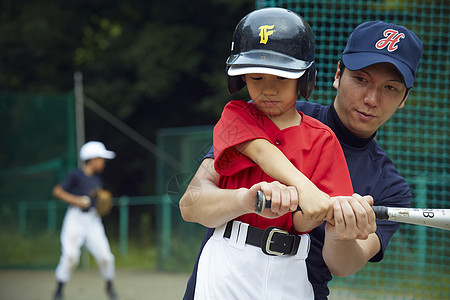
{"x": 83, "y": 227}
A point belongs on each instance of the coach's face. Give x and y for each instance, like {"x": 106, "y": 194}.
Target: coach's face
{"x": 368, "y": 97}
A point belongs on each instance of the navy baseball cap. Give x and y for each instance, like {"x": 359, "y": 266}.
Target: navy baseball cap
{"x": 377, "y": 42}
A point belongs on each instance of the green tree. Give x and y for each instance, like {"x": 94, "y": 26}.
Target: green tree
{"x": 153, "y": 64}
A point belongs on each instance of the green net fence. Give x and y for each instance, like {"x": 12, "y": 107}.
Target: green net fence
{"x": 417, "y": 262}
{"x": 37, "y": 139}
{"x": 31, "y": 123}
{"x": 188, "y": 146}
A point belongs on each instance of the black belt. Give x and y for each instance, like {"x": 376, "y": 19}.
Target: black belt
{"x": 272, "y": 241}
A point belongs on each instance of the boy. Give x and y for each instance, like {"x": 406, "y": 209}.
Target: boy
{"x": 82, "y": 224}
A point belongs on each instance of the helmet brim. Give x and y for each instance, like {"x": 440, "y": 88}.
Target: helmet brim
{"x": 267, "y": 59}
{"x": 236, "y": 71}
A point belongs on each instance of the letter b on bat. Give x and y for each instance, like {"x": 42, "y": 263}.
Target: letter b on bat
{"x": 428, "y": 214}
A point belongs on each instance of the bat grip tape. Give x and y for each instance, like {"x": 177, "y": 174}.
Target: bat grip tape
{"x": 381, "y": 212}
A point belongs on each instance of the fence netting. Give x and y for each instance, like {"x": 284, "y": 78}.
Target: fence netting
{"x": 37, "y": 148}
{"x": 417, "y": 264}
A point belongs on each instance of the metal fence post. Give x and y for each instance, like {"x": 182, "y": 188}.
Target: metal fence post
{"x": 123, "y": 224}
{"x": 166, "y": 230}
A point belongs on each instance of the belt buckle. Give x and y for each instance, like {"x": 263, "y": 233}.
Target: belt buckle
{"x": 267, "y": 241}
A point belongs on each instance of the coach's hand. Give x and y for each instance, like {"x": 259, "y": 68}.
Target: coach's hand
{"x": 353, "y": 218}
{"x": 351, "y": 242}
{"x": 283, "y": 198}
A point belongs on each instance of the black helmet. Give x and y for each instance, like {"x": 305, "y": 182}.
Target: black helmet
{"x": 277, "y": 40}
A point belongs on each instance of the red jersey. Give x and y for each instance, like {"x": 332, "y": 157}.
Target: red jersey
{"x": 311, "y": 146}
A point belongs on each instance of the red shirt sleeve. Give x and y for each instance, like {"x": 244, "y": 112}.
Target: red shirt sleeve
{"x": 240, "y": 122}
{"x": 329, "y": 171}
{"x": 332, "y": 178}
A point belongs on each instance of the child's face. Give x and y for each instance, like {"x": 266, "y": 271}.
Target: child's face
{"x": 272, "y": 94}
{"x": 98, "y": 164}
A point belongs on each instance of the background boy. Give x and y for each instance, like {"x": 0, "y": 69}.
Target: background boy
{"x": 82, "y": 225}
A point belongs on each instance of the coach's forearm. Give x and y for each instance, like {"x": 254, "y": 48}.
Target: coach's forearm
{"x": 213, "y": 207}
{"x": 346, "y": 257}
{"x": 205, "y": 203}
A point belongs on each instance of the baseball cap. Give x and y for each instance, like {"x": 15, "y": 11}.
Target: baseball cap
{"x": 377, "y": 42}
{"x": 95, "y": 149}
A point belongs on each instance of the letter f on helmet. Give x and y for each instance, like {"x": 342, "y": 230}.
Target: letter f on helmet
{"x": 265, "y": 32}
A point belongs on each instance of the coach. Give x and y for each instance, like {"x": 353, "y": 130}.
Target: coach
{"x": 372, "y": 80}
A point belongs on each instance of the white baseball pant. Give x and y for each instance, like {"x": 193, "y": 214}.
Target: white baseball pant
{"x": 230, "y": 269}
{"x": 81, "y": 228}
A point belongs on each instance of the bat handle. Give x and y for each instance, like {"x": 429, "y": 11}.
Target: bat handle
{"x": 381, "y": 212}
{"x": 261, "y": 203}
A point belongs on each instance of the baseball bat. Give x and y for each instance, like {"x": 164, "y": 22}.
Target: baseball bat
{"x": 436, "y": 218}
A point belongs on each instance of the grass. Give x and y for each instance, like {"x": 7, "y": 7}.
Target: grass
{"x": 32, "y": 251}
{"x": 42, "y": 251}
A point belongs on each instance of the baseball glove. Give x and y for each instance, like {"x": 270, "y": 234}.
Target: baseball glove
{"x": 103, "y": 201}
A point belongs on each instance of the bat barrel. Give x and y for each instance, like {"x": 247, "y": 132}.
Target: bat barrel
{"x": 437, "y": 218}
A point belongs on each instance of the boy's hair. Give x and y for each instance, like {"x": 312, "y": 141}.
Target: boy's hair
{"x": 272, "y": 41}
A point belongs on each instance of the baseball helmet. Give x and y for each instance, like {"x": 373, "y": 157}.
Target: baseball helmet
{"x": 272, "y": 41}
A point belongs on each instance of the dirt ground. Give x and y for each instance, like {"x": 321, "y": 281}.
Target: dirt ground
{"x": 88, "y": 285}
{"x": 130, "y": 285}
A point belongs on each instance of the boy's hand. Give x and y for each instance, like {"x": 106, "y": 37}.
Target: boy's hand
{"x": 315, "y": 204}
{"x": 84, "y": 202}
{"x": 284, "y": 198}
